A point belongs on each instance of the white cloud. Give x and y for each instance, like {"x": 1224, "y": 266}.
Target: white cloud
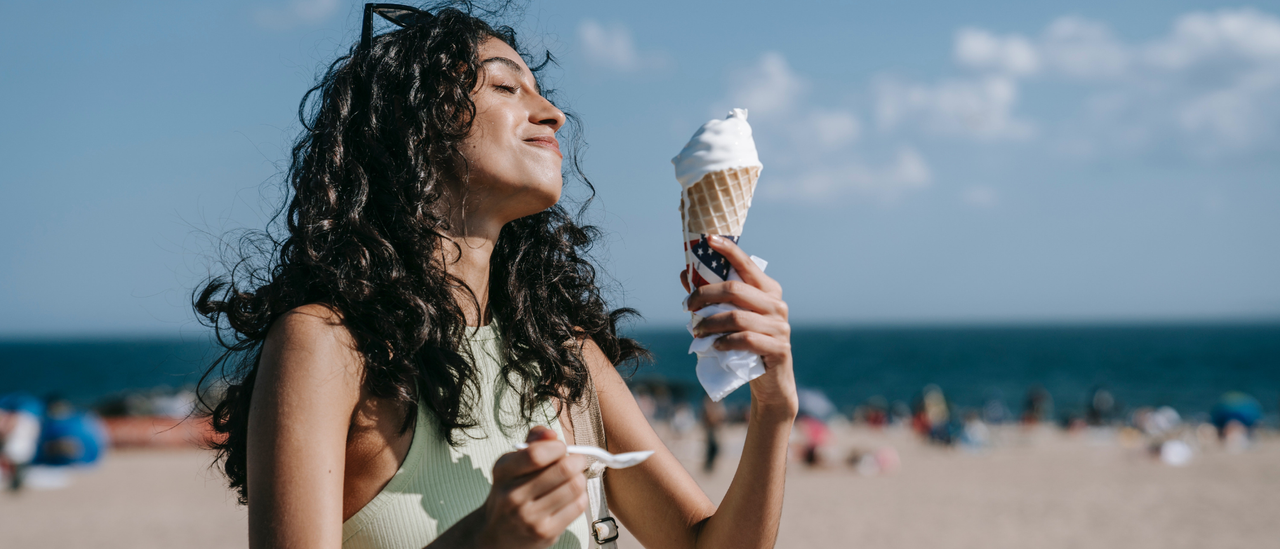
{"x": 1210, "y": 86}
{"x": 979, "y": 49}
{"x": 612, "y": 47}
{"x": 1237, "y": 115}
{"x": 980, "y": 196}
{"x": 298, "y": 13}
{"x": 608, "y": 47}
{"x": 1080, "y": 48}
{"x": 906, "y": 172}
{"x": 909, "y": 170}
{"x": 1198, "y": 37}
{"x": 768, "y": 88}
{"x": 813, "y": 148}
{"x": 831, "y": 128}
{"x": 981, "y": 108}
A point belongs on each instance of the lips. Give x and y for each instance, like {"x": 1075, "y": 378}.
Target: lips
{"x": 546, "y": 141}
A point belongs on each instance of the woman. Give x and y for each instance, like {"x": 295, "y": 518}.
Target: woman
{"x": 431, "y": 305}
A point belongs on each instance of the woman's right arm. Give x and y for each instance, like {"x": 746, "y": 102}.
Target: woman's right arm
{"x": 308, "y": 385}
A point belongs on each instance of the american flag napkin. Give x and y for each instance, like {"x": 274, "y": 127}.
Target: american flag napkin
{"x": 719, "y": 372}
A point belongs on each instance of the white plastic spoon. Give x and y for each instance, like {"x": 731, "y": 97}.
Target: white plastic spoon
{"x": 613, "y": 461}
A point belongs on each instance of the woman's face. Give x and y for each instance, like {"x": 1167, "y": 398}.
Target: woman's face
{"x": 512, "y": 151}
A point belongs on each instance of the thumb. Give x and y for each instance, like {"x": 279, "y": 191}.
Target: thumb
{"x": 539, "y": 432}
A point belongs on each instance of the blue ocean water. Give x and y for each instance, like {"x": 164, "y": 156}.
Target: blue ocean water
{"x": 1187, "y": 367}
{"x": 1184, "y": 366}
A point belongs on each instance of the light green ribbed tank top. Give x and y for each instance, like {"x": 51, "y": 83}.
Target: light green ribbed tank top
{"x": 438, "y": 485}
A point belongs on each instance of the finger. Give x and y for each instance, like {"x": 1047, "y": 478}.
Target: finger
{"x": 539, "y": 455}
{"x": 564, "y": 494}
{"x": 540, "y": 432}
{"x": 567, "y": 514}
{"x": 684, "y": 279}
{"x": 538, "y": 484}
{"x": 744, "y": 295}
{"x": 754, "y": 342}
{"x": 742, "y": 321}
{"x": 741, "y": 262}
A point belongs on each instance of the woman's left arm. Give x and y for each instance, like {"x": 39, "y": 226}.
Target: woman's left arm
{"x": 658, "y": 502}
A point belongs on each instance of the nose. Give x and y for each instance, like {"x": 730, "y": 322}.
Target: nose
{"x": 547, "y": 114}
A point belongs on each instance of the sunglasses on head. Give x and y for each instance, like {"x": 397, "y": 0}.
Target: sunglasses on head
{"x": 399, "y": 14}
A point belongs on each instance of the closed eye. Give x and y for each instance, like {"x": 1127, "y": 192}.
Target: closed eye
{"x": 506, "y": 88}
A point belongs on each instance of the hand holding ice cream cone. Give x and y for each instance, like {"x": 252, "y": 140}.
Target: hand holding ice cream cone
{"x": 739, "y": 319}
{"x": 757, "y": 326}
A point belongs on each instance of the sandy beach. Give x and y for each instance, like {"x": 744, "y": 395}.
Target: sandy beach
{"x": 1043, "y": 488}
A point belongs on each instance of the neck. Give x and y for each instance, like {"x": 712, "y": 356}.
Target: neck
{"x": 466, "y": 255}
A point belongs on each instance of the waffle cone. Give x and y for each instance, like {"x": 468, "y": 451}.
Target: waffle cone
{"x": 718, "y": 203}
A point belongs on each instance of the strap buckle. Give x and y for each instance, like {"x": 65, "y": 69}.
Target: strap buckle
{"x": 606, "y": 527}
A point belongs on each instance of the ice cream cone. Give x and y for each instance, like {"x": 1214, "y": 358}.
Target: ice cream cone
{"x": 717, "y": 171}
{"x": 718, "y": 203}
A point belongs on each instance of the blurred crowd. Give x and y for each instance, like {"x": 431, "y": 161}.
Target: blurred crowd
{"x": 40, "y": 436}
{"x": 1160, "y": 431}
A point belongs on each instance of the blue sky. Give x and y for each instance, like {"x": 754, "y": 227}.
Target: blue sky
{"x": 925, "y": 162}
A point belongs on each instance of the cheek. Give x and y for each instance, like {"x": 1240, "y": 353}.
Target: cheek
{"x": 484, "y": 153}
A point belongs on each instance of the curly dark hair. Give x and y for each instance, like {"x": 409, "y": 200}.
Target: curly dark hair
{"x": 365, "y": 225}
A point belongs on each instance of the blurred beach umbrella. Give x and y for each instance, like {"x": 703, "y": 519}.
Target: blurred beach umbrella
{"x": 815, "y": 403}
{"x": 1236, "y": 406}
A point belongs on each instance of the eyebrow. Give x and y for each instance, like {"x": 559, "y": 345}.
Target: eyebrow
{"x": 513, "y": 66}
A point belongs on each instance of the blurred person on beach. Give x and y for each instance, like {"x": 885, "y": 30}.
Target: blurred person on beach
{"x": 20, "y": 416}
{"x": 683, "y": 420}
{"x": 815, "y": 408}
{"x": 1101, "y": 408}
{"x": 430, "y": 303}
{"x": 713, "y": 416}
{"x": 815, "y": 435}
{"x": 875, "y": 412}
{"x": 1037, "y": 407}
{"x": 931, "y": 417}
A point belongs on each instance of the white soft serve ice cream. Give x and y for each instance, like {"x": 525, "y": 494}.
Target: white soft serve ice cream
{"x": 717, "y": 145}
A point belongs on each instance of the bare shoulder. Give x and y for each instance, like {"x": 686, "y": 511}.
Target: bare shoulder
{"x": 315, "y": 322}
{"x": 602, "y": 369}
{"x": 615, "y": 396}
{"x": 310, "y": 348}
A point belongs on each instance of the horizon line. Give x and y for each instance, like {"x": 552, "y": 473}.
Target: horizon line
{"x": 1043, "y": 323}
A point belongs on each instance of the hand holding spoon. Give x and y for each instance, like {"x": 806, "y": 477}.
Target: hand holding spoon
{"x": 613, "y": 461}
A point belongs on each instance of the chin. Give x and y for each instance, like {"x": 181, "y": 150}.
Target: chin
{"x": 547, "y": 190}
{"x": 544, "y": 198}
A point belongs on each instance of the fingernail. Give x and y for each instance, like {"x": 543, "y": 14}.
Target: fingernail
{"x": 684, "y": 304}
{"x": 713, "y": 238}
